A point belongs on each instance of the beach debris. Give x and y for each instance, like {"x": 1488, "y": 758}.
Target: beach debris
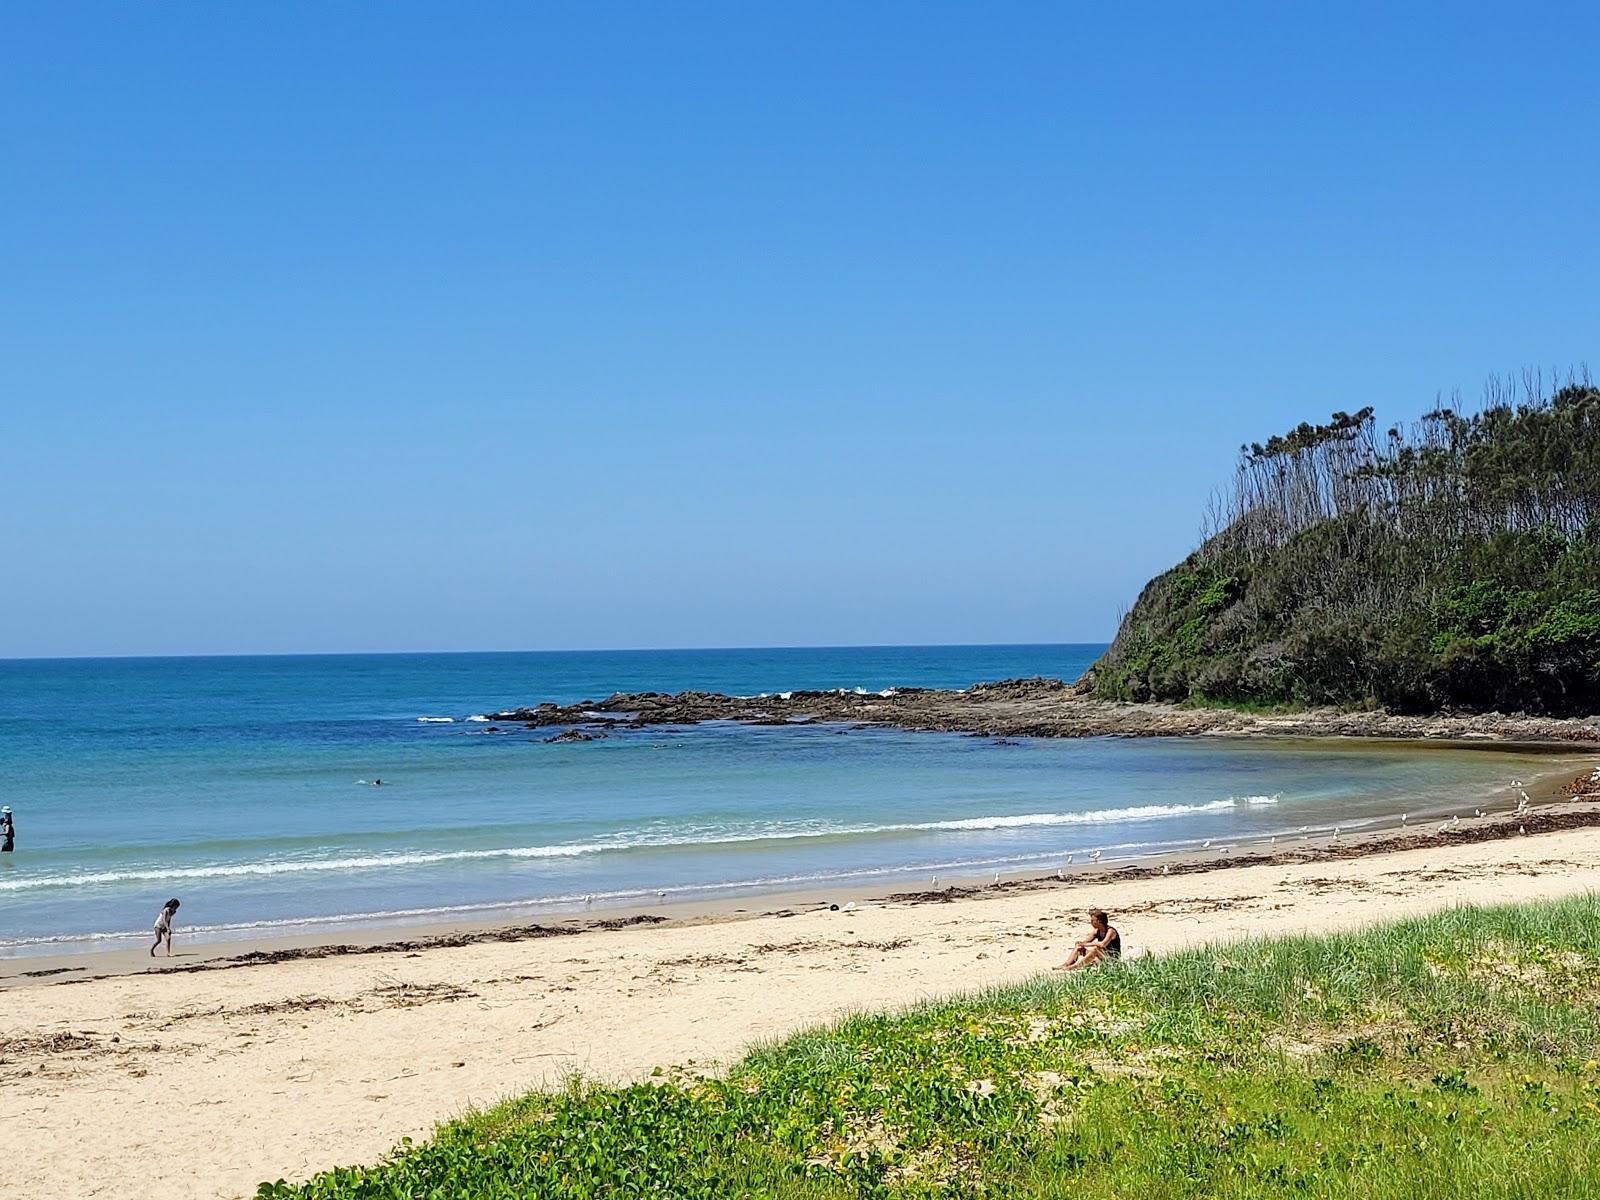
{"x": 850, "y": 906}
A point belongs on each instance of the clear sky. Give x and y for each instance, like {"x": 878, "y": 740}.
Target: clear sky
{"x": 477, "y": 326}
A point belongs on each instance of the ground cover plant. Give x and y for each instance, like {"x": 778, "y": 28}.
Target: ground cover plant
{"x": 1444, "y": 1056}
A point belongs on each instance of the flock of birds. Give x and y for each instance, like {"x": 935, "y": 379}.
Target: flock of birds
{"x": 1524, "y": 807}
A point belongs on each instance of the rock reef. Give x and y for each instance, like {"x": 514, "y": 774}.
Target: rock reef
{"x": 1038, "y": 707}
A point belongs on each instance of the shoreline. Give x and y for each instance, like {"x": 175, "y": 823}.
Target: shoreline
{"x": 303, "y": 1063}
{"x": 1554, "y": 811}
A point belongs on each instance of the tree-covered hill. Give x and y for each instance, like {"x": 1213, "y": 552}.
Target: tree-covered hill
{"x": 1454, "y": 564}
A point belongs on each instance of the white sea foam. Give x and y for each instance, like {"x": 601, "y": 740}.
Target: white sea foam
{"x": 662, "y": 838}
{"x": 436, "y": 720}
{"x": 477, "y": 717}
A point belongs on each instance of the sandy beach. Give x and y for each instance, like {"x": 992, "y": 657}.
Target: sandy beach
{"x": 185, "y": 1082}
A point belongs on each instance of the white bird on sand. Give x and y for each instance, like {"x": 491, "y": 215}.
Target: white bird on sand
{"x": 1206, "y": 845}
{"x": 997, "y": 878}
{"x": 935, "y": 881}
{"x": 661, "y": 895}
{"x": 1335, "y": 833}
{"x": 1522, "y": 829}
{"x": 1516, "y": 783}
{"x": 1477, "y": 812}
{"x": 587, "y": 900}
{"x": 1094, "y": 856}
{"x": 1069, "y": 860}
{"x": 1454, "y": 820}
{"x": 1273, "y": 840}
{"x": 1166, "y": 869}
{"x": 850, "y": 906}
{"x": 1404, "y": 817}
{"x": 1444, "y": 827}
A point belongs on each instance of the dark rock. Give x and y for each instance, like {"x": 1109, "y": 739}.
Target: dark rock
{"x": 574, "y": 735}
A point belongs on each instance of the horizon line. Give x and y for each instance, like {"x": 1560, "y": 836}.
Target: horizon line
{"x": 42, "y": 658}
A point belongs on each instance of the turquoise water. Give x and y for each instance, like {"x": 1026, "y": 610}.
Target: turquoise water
{"x": 241, "y": 786}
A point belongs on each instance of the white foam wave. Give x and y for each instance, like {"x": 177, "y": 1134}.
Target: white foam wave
{"x": 1257, "y": 801}
{"x": 477, "y": 717}
{"x": 662, "y": 839}
{"x": 436, "y": 720}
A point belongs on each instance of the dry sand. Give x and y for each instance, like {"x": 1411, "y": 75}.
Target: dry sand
{"x": 201, "y": 1083}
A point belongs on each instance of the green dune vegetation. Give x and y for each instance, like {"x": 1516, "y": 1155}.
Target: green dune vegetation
{"x": 1454, "y": 564}
{"x": 1445, "y": 1056}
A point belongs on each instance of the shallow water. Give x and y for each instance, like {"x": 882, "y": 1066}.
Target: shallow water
{"x": 243, "y": 786}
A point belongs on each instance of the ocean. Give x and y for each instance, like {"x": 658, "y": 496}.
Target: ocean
{"x": 244, "y": 787}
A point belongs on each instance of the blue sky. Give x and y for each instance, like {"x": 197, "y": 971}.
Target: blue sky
{"x": 361, "y": 327}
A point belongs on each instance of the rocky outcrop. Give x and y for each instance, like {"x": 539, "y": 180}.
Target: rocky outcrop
{"x": 1035, "y": 707}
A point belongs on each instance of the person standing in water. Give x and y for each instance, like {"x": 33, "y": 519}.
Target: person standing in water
{"x": 164, "y": 927}
{"x": 8, "y": 831}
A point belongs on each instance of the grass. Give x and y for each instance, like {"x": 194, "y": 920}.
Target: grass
{"x": 1440, "y": 1057}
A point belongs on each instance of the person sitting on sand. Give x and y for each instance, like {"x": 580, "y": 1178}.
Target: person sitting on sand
{"x": 1104, "y": 942}
{"x": 164, "y": 927}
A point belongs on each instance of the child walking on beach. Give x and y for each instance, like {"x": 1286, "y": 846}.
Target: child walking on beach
{"x": 164, "y": 927}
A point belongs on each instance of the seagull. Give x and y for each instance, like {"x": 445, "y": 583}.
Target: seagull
{"x": 1069, "y": 860}
{"x": 1522, "y": 829}
{"x": 1206, "y": 845}
{"x": 935, "y": 881}
{"x": 1166, "y": 869}
{"x": 588, "y": 900}
{"x": 1454, "y": 820}
{"x": 661, "y": 895}
{"x": 1445, "y": 827}
{"x": 1335, "y": 833}
{"x": 1404, "y": 817}
{"x": 1273, "y": 840}
{"x": 997, "y": 878}
{"x": 1094, "y": 856}
{"x": 1477, "y": 812}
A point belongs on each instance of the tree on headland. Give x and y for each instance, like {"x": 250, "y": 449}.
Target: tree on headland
{"x": 1454, "y": 563}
